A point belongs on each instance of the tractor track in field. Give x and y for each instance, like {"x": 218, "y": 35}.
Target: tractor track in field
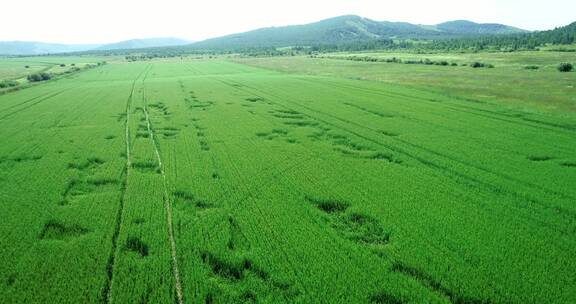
{"x": 110, "y": 267}
{"x": 167, "y": 206}
{"x": 24, "y": 102}
{"x": 32, "y": 104}
{"x": 436, "y": 153}
{"x": 412, "y": 155}
{"x": 456, "y": 175}
{"x": 538, "y": 124}
{"x": 252, "y": 196}
{"x": 427, "y": 282}
{"x": 470, "y": 181}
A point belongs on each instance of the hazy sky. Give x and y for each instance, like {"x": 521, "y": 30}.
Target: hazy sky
{"x": 103, "y": 21}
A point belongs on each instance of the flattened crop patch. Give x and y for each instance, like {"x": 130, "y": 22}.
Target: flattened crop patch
{"x": 362, "y": 229}
{"x": 56, "y": 230}
{"x": 135, "y": 244}
{"x": 385, "y": 298}
{"x": 255, "y": 99}
{"x": 329, "y": 206}
{"x": 146, "y": 166}
{"x": 90, "y": 163}
{"x": 186, "y": 198}
{"x": 540, "y": 158}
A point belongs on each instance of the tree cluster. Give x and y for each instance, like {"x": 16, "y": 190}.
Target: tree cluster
{"x": 39, "y": 77}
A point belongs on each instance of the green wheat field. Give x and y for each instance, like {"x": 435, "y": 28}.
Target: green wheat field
{"x": 289, "y": 180}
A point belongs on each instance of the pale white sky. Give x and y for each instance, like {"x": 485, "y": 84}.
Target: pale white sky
{"x": 104, "y": 21}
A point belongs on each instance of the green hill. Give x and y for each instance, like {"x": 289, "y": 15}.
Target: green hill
{"x": 464, "y": 27}
{"x": 348, "y": 29}
{"x": 561, "y": 35}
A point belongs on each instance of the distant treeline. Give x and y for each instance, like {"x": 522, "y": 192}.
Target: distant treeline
{"x": 529, "y": 41}
{"x": 147, "y": 54}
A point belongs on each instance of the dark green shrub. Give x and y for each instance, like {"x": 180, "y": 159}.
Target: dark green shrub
{"x": 8, "y": 84}
{"x": 565, "y": 67}
{"x": 135, "y": 244}
{"x": 34, "y": 77}
{"x": 481, "y": 65}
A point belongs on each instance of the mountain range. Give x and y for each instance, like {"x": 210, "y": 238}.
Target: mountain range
{"x": 38, "y": 48}
{"x": 343, "y": 29}
{"x": 144, "y": 43}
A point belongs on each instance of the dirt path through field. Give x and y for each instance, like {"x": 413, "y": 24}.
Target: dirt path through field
{"x": 168, "y": 206}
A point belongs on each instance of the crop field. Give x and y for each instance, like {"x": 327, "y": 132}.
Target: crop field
{"x": 212, "y": 181}
{"x": 525, "y": 81}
